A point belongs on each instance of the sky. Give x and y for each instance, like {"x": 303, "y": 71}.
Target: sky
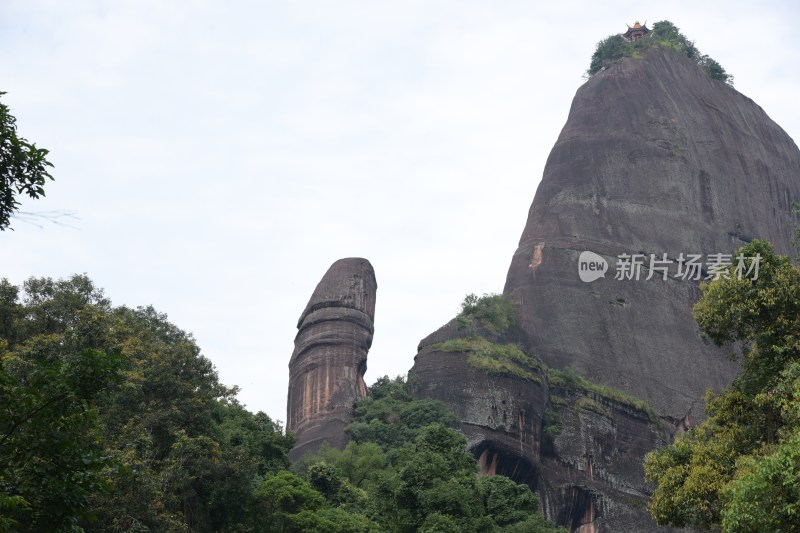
{"x": 219, "y": 156}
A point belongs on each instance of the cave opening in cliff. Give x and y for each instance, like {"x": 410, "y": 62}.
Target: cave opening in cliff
{"x": 493, "y": 459}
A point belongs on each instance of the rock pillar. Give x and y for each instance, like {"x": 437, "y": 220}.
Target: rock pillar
{"x": 326, "y": 371}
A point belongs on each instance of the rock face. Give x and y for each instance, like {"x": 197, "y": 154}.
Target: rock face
{"x": 326, "y": 371}
{"x": 501, "y": 414}
{"x": 655, "y": 158}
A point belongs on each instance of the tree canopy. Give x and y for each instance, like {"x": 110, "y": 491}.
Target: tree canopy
{"x": 111, "y": 419}
{"x": 407, "y": 471}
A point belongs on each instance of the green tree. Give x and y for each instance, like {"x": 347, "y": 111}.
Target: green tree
{"x": 360, "y": 463}
{"x": 51, "y": 446}
{"x": 431, "y": 485}
{"x": 665, "y": 32}
{"x": 408, "y": 471}
{"x": 112, "y": 420}
{"x": 389, "y": 417}
{"x": 714, "y": 70}
{"x": 735, "y": 470}
{"x": 507, "y": 502}
{"x": 189, "y": 454}
{"x": 332, "y": 520}
{"x": 434, "y": 474}
{"x": 608, "y": 51}
{"x": 764, "y": 495}
{"x": 493, "y": 313}
{"x": 283, "y": 495}
{"x": 288, "y": 504}
{"x": 23, "y": 167}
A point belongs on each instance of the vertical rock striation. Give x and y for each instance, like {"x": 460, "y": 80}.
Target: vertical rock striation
{"x": 326, "y": 371}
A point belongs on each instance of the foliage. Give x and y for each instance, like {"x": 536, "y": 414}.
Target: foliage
{"x": 664, "y": 34}
{"x": 569, "y": 379}
{"x": 587, "y": 404}
{"x": 490, "y": 315}
{"x": 762, "y": 315}
{"x": 494, "y": 313}
{"x": 714, "y": 70}
{"x": 690, "y": 474}
{"x": 608, "y": 52}
{"x": 332, "y": 520}
{"x": 389, "y": 417}
{"x": 495, "y": 358}
{"x": 112, "y": 420}
{"x": 738, "y": 470}
{"x": 293, "y": 504}
{"x": 51, "y": 454}
{"x": 23, "y": 167}
{"x": 764, "y": 495}
{"x": 283, "y": 495}
{"x": 507, "y": 502}
{"x": 359, "y": 463}
{"x": 413, "y": 473}
{"x": 431, "y": 484}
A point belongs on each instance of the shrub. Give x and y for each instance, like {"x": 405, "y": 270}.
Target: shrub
{"x": 495, "y": 358}
{"x": 492, "y": 312}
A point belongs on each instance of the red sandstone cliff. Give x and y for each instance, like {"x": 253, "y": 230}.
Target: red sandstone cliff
{"x": 326, "y": 371}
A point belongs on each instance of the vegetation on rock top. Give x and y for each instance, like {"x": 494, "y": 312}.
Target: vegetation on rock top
{"x": 495, "y": 358}
{"x": 568, "y": 391}
{"x": 492, "y": 312}
{"x": 569, "y": 379}
{"x": 491, "y": 315}
{"x": 664, "y": 34}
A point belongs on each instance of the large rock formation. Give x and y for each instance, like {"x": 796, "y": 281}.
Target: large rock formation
{"x": 655, "y": 158}
{"x": 326, "y": 371}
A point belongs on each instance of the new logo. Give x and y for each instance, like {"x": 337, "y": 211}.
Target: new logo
{"x": 591, "y": 266}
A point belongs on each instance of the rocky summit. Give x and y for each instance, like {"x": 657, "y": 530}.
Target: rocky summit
{"x": 655, "y": 158}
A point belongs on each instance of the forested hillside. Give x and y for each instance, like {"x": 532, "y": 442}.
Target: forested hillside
{"x": 111, "y": 419}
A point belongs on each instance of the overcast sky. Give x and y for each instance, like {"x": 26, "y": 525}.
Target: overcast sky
{"x": 220, "y": 156}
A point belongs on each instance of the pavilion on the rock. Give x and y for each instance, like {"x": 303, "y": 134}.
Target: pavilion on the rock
{"x": 636, "y": 32}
